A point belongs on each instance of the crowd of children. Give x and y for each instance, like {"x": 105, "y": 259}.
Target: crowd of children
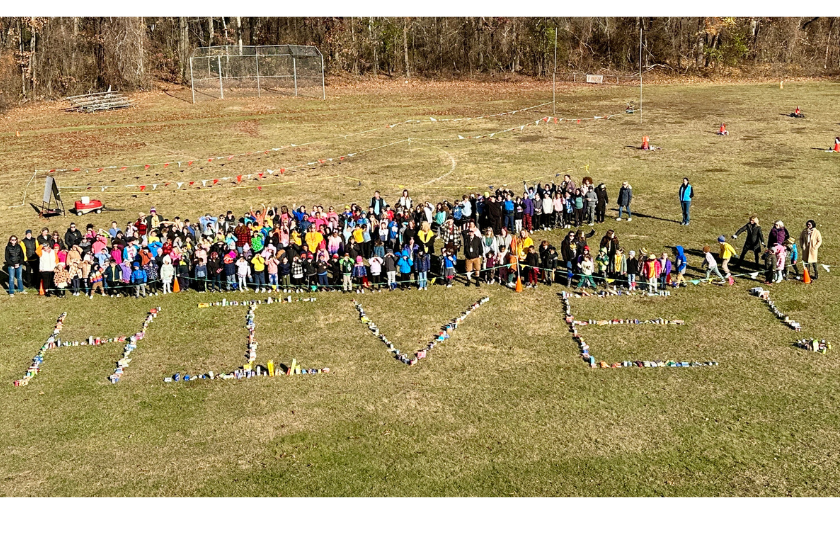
{"x": 373, "y": 246}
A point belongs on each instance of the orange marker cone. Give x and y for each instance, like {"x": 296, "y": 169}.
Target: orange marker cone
{"x": 175, "y": 287}
{"x": 722, "y": 129}
{"x": 41, "y": 291}
{"x": 836, "y": 145}
{"x": 645, "y": 143}
{"x": 519, "y": 284}
{"x": 806, "y": 277}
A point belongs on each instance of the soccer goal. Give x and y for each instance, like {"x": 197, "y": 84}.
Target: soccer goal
{"x": 279, "y": 69}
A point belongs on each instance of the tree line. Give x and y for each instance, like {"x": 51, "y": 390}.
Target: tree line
{"x": 53, "y": 57}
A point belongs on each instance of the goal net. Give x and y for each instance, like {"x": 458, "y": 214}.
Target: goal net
{"x": 231, "y": 70}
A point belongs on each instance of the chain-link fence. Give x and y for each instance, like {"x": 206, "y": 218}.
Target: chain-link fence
{"x": 225, "y": 71}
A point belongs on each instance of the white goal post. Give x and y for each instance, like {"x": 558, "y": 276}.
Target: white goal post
{"x": 287, "y": 69}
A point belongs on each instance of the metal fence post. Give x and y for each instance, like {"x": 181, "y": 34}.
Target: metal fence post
{"x": 221, "y": 85}
{"x": 294, "y": 72}
{"x": 257, "y": 60}
{"x": 192, "y": 82}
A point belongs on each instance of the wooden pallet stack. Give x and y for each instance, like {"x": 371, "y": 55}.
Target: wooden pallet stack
{"x": 93, "y": 102}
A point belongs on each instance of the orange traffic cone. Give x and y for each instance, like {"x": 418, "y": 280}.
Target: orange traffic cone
{"x": 41, "y": 291}
{"x": 837, "y": 145}
{"x": 722, "y": 130}
{"x": 519, "y": 284}
{"x": 806, "y": 277}
{"x": 645, "y": 143}
{"x": 175, "y": 287}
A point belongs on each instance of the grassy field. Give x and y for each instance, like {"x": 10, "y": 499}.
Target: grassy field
{"x": 504, "y": 408}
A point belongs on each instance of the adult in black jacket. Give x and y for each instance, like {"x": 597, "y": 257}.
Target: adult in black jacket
{"x": 601, "y": 203}
{"x": 754, "y": 241}
{"x": 30, "y": 247}
{"x": 568, "y": 253}
{"x": 494, "y": 214}
{"x": 73, "y": 236}
{"x": 45, "y": 239}
{"x": 14, "y": 263}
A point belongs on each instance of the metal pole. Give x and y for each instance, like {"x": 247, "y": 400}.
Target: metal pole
{"x": 554, "y": 78}
{"x": 257, "y": 59}
{"x": 640, "y": 73}
{"x": 323, "y": 84}
{"x": 294, "y": 72}
{"x": 221, "y": 86}
{"x": 192, "y": 82}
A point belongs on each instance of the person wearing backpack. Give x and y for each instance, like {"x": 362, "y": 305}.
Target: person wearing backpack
{"x": 686, "y": 194}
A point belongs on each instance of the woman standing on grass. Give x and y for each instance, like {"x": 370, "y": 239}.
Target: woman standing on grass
{"x": 686, "y": 195}
{"x": 15, "y": 258}
{"x": 778, "y": 235}
{"x": 810, "y": 241}
{"x": 625, "y": 196}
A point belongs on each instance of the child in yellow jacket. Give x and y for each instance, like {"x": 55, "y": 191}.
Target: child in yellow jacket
{"x": 726, "y": 254}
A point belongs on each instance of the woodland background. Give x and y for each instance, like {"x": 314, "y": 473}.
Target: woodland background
{"x": 53, "y": 57}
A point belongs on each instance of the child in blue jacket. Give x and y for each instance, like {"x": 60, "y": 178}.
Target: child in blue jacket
{"x": 139, "y": 279}
{"x": 404, "y": 267}
{"x": 792, "y": 256}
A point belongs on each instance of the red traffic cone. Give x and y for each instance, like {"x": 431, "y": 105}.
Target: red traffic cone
{"x": 645, "y": 143}
{"x": 837, "y": 145}
{"x": 806, "y": 276}
{"x": 722, "y": 130}
{"x": 41, "y": 291}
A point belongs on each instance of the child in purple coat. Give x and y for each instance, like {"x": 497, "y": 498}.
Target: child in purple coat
{"x": 665, "y": 269}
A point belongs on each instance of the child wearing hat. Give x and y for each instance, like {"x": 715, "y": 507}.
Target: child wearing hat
{"x": 651, "y": 271}
{"x": 404, "y": 264}
{"x": 727, "y": 252}
{"x": 138, "y": 279}
{"x": 360, "y": 272}
{"x": 167, "y": 273}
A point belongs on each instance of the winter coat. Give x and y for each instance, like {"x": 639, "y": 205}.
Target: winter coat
{"x": 625, "y": 196}
{"x": 777, "y": 236}
{"x": 603, "y": 198}
{"x": 404, "y": 264}
{"x": 138, "y": 276}
{"x": 473, "y": 246}
{"x": 14, "y": 254}
{"x": 49, "y": 260}
{"x": 167, "y": 272}
{"x": 754, "y": 239}
{"x": 810, "y": 245}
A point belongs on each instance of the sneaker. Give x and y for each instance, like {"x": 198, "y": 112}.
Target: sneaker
{"x": 618, "y": 219}
{"x": 11, "y": 294}
{"x": 629, "y": 219}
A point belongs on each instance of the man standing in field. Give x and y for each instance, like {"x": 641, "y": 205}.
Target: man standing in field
{"x": 473, "y": 252}
{"x": 686, "y": 194}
